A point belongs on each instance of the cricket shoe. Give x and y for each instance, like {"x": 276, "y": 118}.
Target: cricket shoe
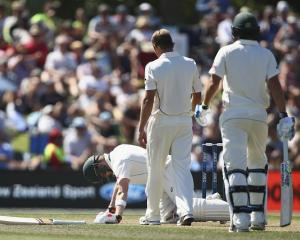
{"x": 144, "y": 221}
{"x": 258, "y": 227}
{"x": 234, "y": 229}
{"x": 186, "y": 220}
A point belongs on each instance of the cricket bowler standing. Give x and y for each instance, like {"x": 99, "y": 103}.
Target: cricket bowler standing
{"x": 248, "y": 72}
{"x": 170, "y": 81}
{"x": 128, "y": 163}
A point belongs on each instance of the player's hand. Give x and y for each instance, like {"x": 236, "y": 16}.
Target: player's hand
{"x": 107, "y": 218}
{"x": 201, "y": 115}
{"x": 142, "y": 138}
{"x": 286, "y": 128}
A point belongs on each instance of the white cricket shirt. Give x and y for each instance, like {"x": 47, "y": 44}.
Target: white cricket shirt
{"x": 245, "y": 67}
{"x": 128, "y": 161}
{"x": 174, "y": 77}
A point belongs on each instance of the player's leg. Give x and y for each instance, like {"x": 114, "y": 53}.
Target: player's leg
{"x": 210, "y": 210}
{"x": 157, "y": 150}
{"x": 180, "y": 166}
{"x": 257, "y": 173}
{"x": 235, "y": 173}
{"x": 168, "y": 210}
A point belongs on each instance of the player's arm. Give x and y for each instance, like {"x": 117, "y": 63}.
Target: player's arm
{"x": 196, "y": 99}
{"x": 112, "y": 204}
{"x": 121, "y": 196}
{"x": 211, "y": 88}
{"x": 277, "y": 93}
{"x": 146, "y": 110}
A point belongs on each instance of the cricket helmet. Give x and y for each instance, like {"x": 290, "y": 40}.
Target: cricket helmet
{"x": 245, "y": 26}
{"x": 95, "y": 170}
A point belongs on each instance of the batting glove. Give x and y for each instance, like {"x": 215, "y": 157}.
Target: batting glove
{"x": 286, "y": 128}
{"x": 201, "y": 115}
{"x": 107, "y": 218}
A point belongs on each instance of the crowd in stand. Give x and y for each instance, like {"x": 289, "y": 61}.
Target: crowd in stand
{"x": 74, "y": 86}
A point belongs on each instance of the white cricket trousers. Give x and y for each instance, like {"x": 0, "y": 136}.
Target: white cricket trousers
{"x": 244, "y": 145}
{"x": 169, "y": 135}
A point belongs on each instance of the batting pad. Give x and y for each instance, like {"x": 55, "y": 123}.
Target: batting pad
{"x": 210, "y": 210}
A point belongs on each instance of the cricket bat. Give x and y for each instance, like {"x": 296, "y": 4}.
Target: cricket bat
{"x": 286, "y": 188}
{"x": 8, "y": 220}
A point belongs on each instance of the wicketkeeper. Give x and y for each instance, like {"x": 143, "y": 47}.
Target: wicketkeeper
{"x": 128, "y": 164}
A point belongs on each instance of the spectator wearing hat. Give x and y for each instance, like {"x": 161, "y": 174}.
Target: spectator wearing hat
{"x": 78, "y": 145}
{"x": 145, "y": 9}
{"x": 282, "y": 12}
{"x": 85, "y": 68}
{"x": 101, "y": 25}
{"x": 142, "y": 32}
{"x": 77, "y": 51}
{"x": 54, "y": 156}
{"x": 123, "y": 21}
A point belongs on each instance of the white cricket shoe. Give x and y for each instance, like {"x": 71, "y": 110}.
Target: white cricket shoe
{"x": 144, "y": 221}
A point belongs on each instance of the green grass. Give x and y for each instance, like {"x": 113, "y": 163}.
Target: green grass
{"x": 129, "y": 228}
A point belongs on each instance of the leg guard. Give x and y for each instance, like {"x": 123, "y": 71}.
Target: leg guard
{"x": 210, "y": 210}
{"x": 257, "y": 191}
{"x": 237, "y": 195}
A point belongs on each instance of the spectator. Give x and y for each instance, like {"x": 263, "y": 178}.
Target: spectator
{"x": 268, "y": 26}
{"x": 146, "y": 10}
{"x": 288, "y": 37}
{"x": 54, "y": 156}
{"x": 78, "y": 144}
{"x": 47, "y": 20}
{"x": 6, "y": 151}
{"x": 79, "y": 24}
{"x": 102, "y": 24}
{"x": 48, "y": 120}
{"x": 282, "y": 10}
{"x": 37, "y": 48}
{"x": 123, "y": 21}
{"x": 106, "y": 132}
{"x": 224, "y": 35}
{"x": 60, "y": 65}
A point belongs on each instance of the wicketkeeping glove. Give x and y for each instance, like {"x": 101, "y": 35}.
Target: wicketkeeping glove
{"x": 286, "y": 128}
{"x": 201, "y": 115}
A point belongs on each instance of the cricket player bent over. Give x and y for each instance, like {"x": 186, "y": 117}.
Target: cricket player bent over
{"x": 248, "y": 71}
{"x": 128, "y": 163}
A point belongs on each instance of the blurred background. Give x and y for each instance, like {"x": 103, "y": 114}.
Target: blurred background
{"x": 72, "y": 73}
